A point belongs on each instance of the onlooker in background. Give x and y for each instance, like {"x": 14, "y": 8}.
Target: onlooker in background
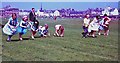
{"x": 32, "y": 19}
{"x": 32, "y": 16}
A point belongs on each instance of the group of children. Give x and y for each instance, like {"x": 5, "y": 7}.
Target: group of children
{"x": 97, "y": 25}
{"x": 13, "y": 27}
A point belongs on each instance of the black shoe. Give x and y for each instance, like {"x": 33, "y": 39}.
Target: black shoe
{"x": 82, "y": 33}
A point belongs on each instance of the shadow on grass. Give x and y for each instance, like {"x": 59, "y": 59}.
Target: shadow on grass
{"x": 43, "y": 37}
{"x": 28, "y": 38}
{"x": 37, "y": 36}
{"x": 24, "y": 38}
{"x": 16, "y": 40}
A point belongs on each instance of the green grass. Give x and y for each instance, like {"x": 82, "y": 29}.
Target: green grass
{"x": 69, "y": 48}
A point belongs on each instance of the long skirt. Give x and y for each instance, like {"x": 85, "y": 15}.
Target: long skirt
{"x": 93, "y": 28}
{"x": 9, "y": 30}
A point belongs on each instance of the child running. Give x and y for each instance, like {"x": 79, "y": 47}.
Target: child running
{"x": 34, "y": 28}
{"x": 93, "y": 27}
{"x": 106, "y": 24}
{"x": 22, "y": 29}
{"x": 86, "y": 23}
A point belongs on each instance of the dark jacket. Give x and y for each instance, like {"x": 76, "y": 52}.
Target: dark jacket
{"x": 32, "y": 16}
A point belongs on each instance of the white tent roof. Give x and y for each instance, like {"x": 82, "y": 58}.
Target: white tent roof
{"x": 115, "y": 12}
{"x": 56, "y": 13}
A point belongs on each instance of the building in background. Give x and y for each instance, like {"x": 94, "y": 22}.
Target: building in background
{"x": 63, "y": 13}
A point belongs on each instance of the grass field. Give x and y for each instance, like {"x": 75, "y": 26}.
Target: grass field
{"x": 69, "y": 48}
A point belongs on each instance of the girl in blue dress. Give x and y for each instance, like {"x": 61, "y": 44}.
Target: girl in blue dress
{"x": 22, "y": 29}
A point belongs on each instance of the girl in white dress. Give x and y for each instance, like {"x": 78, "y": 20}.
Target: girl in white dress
{"x": 10, "y": 27}
{"x": 94, "y": 26}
